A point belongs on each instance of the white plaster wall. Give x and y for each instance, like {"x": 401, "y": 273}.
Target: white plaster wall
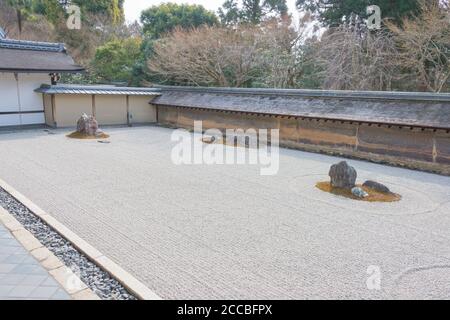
{"x": 30, "y": 100}
{"x": 20, "y": 97}
{"x": 8, "y": 93}
{"x": 9, "y": 120}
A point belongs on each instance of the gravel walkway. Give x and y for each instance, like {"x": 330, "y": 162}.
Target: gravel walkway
{"x": 225, "y": 231}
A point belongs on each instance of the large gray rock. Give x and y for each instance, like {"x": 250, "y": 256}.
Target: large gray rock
{"x": 87, "y": 125}
{"x": 343, "y": 176}
{"x": 376, "y": 186}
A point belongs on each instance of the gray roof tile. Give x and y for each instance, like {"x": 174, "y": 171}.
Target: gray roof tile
{"x": 31, "y": 45}
{"x": 33, "y": 56}
{"x": 395, "y": 108}
{"x": 99, "y": 90}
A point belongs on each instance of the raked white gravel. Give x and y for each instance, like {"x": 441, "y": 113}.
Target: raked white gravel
{"x": 225, "y": 232}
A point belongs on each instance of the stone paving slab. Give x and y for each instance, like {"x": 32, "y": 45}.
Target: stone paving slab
{"x": 21, "y": 275}
{"x": 225, "y": 232}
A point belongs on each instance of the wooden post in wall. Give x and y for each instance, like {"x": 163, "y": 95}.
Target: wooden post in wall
{"x": 55, "y": 124}
{"x": 94, "y": 111}
{"x": 128, "y": 111}
{"x": 43, "y": 106}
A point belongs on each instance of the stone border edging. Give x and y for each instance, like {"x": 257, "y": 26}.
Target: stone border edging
{"x": 55, "y": 267}
{"x": 135, "y": 287}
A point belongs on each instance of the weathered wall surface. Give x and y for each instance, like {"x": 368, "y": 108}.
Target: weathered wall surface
{"x": 64, "y": 110}
{"x": 413, "y": 147}
{"x": 69, "y": 107}
{"x": 396, "y": 108}
{"x": 110, "y": 110}
{"x": 141, "y": 111}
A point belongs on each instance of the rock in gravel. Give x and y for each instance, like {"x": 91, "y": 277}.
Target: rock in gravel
{"x": 376, "y": 186}
{"x": 343, "y": 176}
{"x": 209, "y": 139}
{"x": 88, "y": 125}
{"x": 359, "y": 193}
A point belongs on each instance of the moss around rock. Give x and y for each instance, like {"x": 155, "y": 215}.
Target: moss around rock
{"x": 87, "y": 128}
{"x": 83, "y": 136}
{"x": 373, "y": 195}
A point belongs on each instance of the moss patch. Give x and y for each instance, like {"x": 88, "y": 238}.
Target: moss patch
{"x": 82, "y": 136}
{"x": 374, "y": 196}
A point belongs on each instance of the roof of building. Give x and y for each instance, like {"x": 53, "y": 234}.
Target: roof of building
{"x": 99, "y": 89}
{"x": 33, "y": 56}
{"x": 396, "y": 108}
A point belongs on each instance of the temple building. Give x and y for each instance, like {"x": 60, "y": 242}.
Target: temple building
{"x": 25, "y": 66}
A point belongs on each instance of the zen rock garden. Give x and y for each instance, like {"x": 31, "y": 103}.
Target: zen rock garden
{"x": 87, "y": 128}
{"x": 343, "y": 183}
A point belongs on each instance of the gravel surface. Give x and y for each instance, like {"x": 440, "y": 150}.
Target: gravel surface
{"x": 226, "y": 232}
{"x": 95, "y": 278}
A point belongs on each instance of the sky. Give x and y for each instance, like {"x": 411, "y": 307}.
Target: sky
{"x": 133, "y": 8}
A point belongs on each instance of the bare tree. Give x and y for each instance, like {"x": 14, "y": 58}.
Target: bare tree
{"x": 279, "y": 58}
{"x": 237, "y": 57}
{"x": 424, "y": 44}
{"x": 205, "y": 56}
{"x": 352, "y": 58}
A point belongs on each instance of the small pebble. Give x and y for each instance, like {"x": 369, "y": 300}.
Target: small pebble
{"x": 359, "y": 193}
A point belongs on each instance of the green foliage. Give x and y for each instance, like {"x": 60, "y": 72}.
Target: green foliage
{"x": 161, "y": 19}
{"x": 51, "y": 9}
{"x": 311, "y": 71}
{"x": 23, "y": 9}
{"x": 141, "y": 73}
{"x": 230, "y": 13}
{"x": 113, "y": 8}
{"x": 114, "y": 61}
{"x": 80, "y": 78}
{"x": 334, "y": 12}
{"x": 20, "y": 4}
{"x": 251, "y": 11}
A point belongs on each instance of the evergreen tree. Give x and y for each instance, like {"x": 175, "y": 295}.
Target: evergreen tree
{"x": 161, "y": 19}
{"x": 114, "y": 61}
{"x": 335, "y": 12}
{"x": 51, "y": 9}
{"x": 251, "y": 11}
{"x": 112, "y": 8}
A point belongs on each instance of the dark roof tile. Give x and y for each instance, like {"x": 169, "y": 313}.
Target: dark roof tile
{"x": 32, "y": 56}
{"x": 394, "y": 108}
